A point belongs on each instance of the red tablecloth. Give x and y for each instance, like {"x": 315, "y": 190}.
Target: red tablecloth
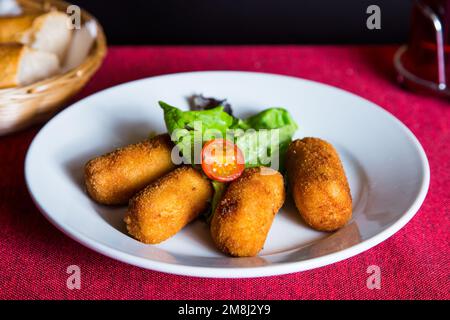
{"x": 414, "y": 262}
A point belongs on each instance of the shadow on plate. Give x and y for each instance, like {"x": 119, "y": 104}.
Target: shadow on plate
{"x": 337, "y": 241}
{"x": 291, "y": 212}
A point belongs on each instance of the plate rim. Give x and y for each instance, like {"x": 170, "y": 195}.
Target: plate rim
{"x": 272, "y": 269}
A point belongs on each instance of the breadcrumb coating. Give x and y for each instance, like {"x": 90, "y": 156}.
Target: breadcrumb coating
{"x": 318, "y": 184}
{"x": 113, "y": 178}
{"x": 168, "y": 204}
{"x": 242, "y": 219}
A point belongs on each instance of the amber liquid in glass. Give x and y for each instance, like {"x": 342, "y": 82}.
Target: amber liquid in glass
{"x": 422, "y": 56}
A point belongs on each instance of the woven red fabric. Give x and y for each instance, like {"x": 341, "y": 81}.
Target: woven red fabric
{"x": 414, "y": 262}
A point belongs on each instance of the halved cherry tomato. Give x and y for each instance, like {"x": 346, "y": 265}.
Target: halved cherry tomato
{"x": 222, "y": 160}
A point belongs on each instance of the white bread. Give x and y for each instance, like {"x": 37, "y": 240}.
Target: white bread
{"x": 22, "y": 65}
{"x": 49, "y": 32}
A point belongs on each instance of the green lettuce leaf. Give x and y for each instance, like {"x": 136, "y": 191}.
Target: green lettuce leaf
{"x": 263, "y": 138}
{"x": 268, "y": 141}
{"x": 219, "y": 189}
{"x": 189, "y": 129}
{"x": 272, "y": 118}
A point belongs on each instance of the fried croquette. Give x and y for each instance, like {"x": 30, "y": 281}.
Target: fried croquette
{"x": 243, "y": 217}
{"x": 113, "y": 178}
{"x": 318, "y": 184}
{"x": 168, "y": 204}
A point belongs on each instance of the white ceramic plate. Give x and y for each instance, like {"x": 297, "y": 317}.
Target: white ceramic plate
{"x": 386, "y": 167}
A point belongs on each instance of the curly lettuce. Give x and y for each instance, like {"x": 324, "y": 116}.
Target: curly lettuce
{"x": 263, "y": 138}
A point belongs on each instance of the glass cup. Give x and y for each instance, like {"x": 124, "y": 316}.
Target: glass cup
{"x": 423, "y": 64}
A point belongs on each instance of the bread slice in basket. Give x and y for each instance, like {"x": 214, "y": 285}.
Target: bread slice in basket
{"x": 22, "y": 65}
{"x": 49, "y": 32}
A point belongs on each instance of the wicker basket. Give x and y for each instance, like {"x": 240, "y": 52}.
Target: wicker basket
{"x": 23, "y": 106}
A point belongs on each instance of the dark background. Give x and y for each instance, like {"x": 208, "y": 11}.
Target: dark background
{"x": 248, "y": 21}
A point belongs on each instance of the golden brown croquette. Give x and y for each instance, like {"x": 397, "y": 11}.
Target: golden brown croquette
{"x": 244, "y": 215}
{"x": 318, "y": 184}
{"x": 115, "y": 177}
{"x": 168, "y": 204}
